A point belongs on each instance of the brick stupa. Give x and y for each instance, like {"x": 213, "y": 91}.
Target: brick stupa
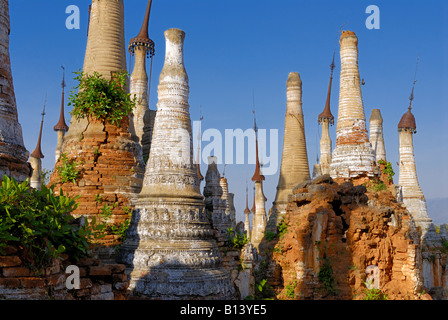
{"x": 108, "y": 156}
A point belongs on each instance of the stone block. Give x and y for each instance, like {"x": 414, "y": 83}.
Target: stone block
{"x": 100, "y": 271}
{"x": 32, "y": 282}
{"x": 325, "y": 178}
{"x": 120, "y": 277}
{"x": 121, "y": 285}
{"x": 101, "y": 288}
{"x": 10, "y": 261}
{"x": 10, "y": 250}
{"x": 16, "y": 272}
{"x": 9, "y": 283}
{"x": 103, "y": 296}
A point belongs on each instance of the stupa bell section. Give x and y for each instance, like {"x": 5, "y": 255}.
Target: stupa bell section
{"x": 353, "y": 155}
{"x": 13, "y": 154}
{"x": 170, "y": 251}
{"x": 294, "y": 167}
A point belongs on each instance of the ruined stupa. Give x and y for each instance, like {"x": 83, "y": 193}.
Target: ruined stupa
{"x": 61, "y": 127}
{"x": 107, "y": 156}
{"x": 326, "y": 119}
{"x": 143, "y": 118}
{"x": 13, "y": 154}
{"x": 294, "y": 167}
{"x": 376, "y": 134}
{"x": 411, "y": 193}
{"x": 215, "y": 204}
{"x": 170, "y": 251}
{"x": 353, "y": 155}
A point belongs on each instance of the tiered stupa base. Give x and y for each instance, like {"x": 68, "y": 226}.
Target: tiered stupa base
{"x": 170, "y": 253}
{"x": 353, "y": 160}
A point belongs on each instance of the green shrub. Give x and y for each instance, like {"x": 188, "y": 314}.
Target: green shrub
{"x": 290, "y": 290}
{"x": 102, "y": 227}
{"x": 40, "y": 222}
{"x": 235, "y": 239}
{"x": 388, "y": 171}
{"x": 326, "y": 276}
{"x": 67, "y": 170}
{"x": 102, "y": 99}
{"x": 282, "y": 228}
{"x": 269, "y": 235}
{"x": 375, "y": 294}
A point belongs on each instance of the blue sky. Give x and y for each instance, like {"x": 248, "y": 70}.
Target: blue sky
{"x": 234, "y": 49}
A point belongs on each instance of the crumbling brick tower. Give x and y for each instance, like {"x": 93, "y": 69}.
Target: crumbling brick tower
{"x": 13, "y": 154}
{"x": 108, "y": 156}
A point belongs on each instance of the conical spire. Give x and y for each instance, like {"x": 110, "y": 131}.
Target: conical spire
{"x": 253, "y": 205}
{"x": 37, "y": 153}
{"x": 142, "y": 39}
{"x": 326, "y": 114}
{"x": 247, "y": 210}
{"x": 61, "y": 125}
{"x": 257, "y": 175}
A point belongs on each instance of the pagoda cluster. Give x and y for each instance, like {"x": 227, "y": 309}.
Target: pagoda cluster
{"x": 144, "y": 165}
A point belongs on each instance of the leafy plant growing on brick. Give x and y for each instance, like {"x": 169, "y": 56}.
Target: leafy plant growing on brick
{"x": 290, "y": 290}
{"x": 236, "y": 239}
{"x": 282, "y": 228}
{"x": 387, "y": 170}
{"x": 40, "y": 222}
{"x": 68, "y": 170}
{"x": 374, "y": 294}
{"x": 102, "y": 99}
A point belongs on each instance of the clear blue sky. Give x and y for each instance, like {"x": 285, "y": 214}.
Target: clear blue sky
{"x": 234, "y": 48}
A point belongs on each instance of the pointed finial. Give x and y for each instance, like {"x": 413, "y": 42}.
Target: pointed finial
{"x": 37, "y": 153}
{"x": 142, "y": 40}
{"x": 332, "y": 65}
{"x": 61, "y": 125}
{"x": 257, "y": 175}
{"x": 253, "y": 206}
{"x": 326, "y": 114}
{"x": 411, "y": 97}
{"x": 247, "y": 210}
{"x": 407, "y": 122}
{"x": 63, "y": 77}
